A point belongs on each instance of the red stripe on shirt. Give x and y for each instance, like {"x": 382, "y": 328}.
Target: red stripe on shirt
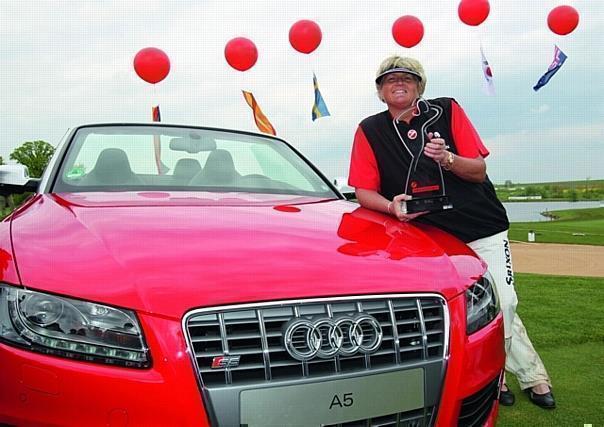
{"x": 467, "y": 140}
{"x": 363, "y": 171}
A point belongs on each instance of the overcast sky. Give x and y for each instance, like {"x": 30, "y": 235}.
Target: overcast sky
{"x": 65, "y": 63}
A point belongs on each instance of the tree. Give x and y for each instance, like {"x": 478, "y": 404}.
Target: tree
{"x": 5, "y": 200}
{"x": 35, "y": 155}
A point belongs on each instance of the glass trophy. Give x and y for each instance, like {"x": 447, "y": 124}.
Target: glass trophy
{"x": 424, "y": 181}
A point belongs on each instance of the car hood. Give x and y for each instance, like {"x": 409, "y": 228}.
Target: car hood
{"x": 166, "y": 253}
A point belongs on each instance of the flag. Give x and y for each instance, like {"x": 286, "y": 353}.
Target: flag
{"x": 162, "y": 169}
{"x": 559, "y": 58}
{"x": 488, "y": 74}
{"x": 319, "y": 109}
{"x": 156, "y": 114}
{"x": 261, "y": 121}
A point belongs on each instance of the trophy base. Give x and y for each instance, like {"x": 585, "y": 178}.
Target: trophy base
{"x": 426, "y": 204}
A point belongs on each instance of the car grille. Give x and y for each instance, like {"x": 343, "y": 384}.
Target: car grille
{"x": 476, "y": 408}
{"x": 417, "y": 418}
{"x": 414, "y": 331}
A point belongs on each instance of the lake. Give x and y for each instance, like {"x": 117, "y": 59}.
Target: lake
{"x": 531, "y": 211}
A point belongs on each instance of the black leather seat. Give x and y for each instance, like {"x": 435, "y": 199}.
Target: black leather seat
{"x": 112, "y": 168}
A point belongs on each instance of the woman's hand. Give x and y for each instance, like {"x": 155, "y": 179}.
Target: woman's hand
{"x": 395, "y": 207}
{"x": 436, "y": 148}
{"x": 371, "y": 199}
{"x": 472, "y": 170}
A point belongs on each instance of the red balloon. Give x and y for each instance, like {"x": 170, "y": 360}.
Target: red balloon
{"x": 563, "y": 20}
{"x": 241, "y": 53}
{"x": 152, "y": 64}
{"x": 305, "y": 36}
{"x": 473, "y": 12}
{"x": 408, "y": 31}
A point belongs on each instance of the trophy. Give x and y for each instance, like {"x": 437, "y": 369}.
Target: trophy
{"x": 424, "y": 183}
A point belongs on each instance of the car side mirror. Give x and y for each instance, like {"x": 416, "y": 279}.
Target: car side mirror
{"x": 341, "y": 184}
{"x": 14, "y": 179}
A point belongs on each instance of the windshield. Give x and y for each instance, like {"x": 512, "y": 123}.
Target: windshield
{"x": 168, "y": 158}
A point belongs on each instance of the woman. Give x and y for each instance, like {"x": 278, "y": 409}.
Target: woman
{"x": 381, "y": 157}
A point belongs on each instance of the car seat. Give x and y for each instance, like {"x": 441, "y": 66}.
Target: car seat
{"x": 218, "y": 170}
{"x": 185, "y": 170}
{"x": 112, "y": 168}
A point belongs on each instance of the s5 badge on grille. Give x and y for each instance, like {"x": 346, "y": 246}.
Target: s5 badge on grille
{"x": 224, "y": 362}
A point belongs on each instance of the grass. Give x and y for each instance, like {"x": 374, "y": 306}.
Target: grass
{"x": 565, "y": 321}
{"x": 4, "y": 212}
{"x": 575, "y": 226}
{"x": 587, "y": 189}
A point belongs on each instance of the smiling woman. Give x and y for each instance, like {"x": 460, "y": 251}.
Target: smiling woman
{"x": 415, "y": 148}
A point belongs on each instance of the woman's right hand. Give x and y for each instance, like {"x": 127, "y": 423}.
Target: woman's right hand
{"x": 396, "y": 208}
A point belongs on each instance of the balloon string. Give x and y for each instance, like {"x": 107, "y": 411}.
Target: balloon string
{"x": 313, "y": 68}
{"x": 244, "y": 81}
{"x": 154, "y": 100}
{"x": 481, "y": 35}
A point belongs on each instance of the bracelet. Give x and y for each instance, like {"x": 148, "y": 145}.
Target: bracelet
{"x": 448, "y": 164}
{"x": 388, "y": 207}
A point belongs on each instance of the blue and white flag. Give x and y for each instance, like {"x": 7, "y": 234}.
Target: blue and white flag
{"x": 319, "y": 109}
{"x": 559, "y": 58}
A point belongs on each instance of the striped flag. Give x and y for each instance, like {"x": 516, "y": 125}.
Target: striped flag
{"x": 261, "y": 121}
{"x": 559, "y": 58}
{"x": 488, "y": 74}
{"x": 319, "y": 109}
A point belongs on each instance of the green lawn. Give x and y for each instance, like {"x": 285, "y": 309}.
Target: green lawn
{"x": 587, "y": 189}
{"x": 575, "y": 226}
{"x": 565, "y": 320}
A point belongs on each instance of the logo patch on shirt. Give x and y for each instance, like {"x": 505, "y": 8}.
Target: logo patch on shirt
{"x": 412, "y": 134}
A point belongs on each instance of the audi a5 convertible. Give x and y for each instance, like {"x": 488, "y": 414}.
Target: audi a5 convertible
{"x": 187, "y": 276}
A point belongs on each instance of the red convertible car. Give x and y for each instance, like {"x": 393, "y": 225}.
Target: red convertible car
{"x": 170, "y": 275}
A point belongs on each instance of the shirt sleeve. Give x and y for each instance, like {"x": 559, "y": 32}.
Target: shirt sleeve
{"x": 363, "y": 166}
{"x": 467, "y": 140}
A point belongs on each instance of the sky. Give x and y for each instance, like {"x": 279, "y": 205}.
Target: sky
{"x": 65, "y": 63}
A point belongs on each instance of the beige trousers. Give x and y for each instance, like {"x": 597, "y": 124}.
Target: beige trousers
{"x": 521, "y": 358}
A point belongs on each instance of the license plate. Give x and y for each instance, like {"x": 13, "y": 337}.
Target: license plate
{"x": 333, "y": 401}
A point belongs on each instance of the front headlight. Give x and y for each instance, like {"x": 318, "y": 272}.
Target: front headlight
{"x": 71, "y": 328}
{"x": 482, "y": 304}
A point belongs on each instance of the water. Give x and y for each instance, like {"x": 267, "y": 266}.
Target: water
{"x": 531, "y": 211}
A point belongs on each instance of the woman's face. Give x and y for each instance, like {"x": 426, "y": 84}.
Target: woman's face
{"x": 399, "y": 90}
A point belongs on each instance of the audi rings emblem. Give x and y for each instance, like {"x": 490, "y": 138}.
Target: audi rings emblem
{"x": 327, "y": 337}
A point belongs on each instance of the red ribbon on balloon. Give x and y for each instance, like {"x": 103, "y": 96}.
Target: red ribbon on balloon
{"x": 408, "y": 31}
{"x": 153, "y": 65}
{"x": 241, "y": 54}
